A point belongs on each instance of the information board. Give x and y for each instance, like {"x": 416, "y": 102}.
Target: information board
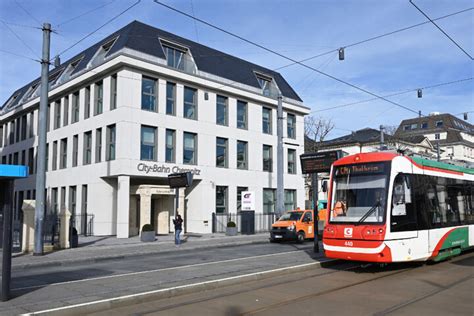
{"x": 319, "y": 162}
{"x": 248, "y": 201}
{"x": 180, "y": 180}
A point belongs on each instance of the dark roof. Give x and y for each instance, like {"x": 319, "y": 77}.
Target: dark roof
{"x": 140, "y": 37}
{"x": 363, "y": 136}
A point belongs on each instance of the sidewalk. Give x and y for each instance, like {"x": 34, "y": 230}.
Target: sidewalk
{"x": 100, "y": 248}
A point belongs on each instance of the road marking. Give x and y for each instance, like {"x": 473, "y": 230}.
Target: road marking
{"x": 156, "y": 270}
{"x": 176, "y": 287}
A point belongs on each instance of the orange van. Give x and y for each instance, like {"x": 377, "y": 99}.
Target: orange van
{"x": 293, "y": 225}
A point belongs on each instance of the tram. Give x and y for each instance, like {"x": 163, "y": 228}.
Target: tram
{"x": 384, "y": 207}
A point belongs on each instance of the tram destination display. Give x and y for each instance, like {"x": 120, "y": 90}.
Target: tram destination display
{"x": 319, "y": 162}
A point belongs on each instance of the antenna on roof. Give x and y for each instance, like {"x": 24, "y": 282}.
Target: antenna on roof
{"x": 57, "y": 61}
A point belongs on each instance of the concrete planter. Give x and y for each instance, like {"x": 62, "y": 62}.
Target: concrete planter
{"x": 231, "y": 231}
{"x": 147, "y": 236}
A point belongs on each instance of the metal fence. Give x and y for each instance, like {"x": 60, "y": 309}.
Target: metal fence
{"x": 83, "y": 223}
{"x": 51, "y": 229}
{"x": 263, "y": 222}
{"x": 17, "y": 235}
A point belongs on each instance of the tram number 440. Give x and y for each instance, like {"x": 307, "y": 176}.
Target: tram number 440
{"x": 348, "y": 243}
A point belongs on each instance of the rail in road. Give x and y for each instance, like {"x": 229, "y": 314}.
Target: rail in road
{"x": 345, "y": 289}
{"x": 44, "y": 288}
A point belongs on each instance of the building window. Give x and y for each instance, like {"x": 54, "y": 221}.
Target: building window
{"x": 221, "y": 110}
{"x": 87, "y": 159}
{"x": 48, "y": 118}
{"x": 424, "y": 125}
{"x": 439, "y": 123}
{"x": 54, "y": 200}
{"x": 63, "y": 160}
{"x": 55, "y": 155}
{"x": 66, "y": 111}
{"x": 149, "y": 89}
{"x": 268, "y": 201}
{"x": 148, "y": 143}
{"x": 242, "y": 155}
{"x": 1, "y": 135}
{"x": 267, "y": 158}
{"x": 221, "y": 199}
{"x": 47, "y": 156}
{"x": 75, "y": 150}
{"x": 87, "y": 103}
{"x": 31, "y": 125}
{"x": 241, "y": 115}
{"x": 72, "y": 200}
{"x": 63, "y": 198}
{"x": 31, "y": 160}
{"x": 291, "y": 125}
{"x": 406, "y": 127}
{"x": 221, "y": 152}
{"x": 266, "y": 120}
{"x": 98, "y": 145}
{"x": 437, "y": 136}
{"x": 113, "y": 92}
{"x": 99, "y": 98}
{"x": 15, "y": 158}
{"x": 24, "y": 126}
{"x": 239, "y": 197}
{"x": 17, "y": 134}
{"x": 189, "y": 148}
{"x": 290, "y": 200}
{"x": 84, "y": 202}
{"x": 110, "y": 150}
{"x": 177, "y": 57}
{"x": 75, "y": 108}
{"x": 291, "y": 161}
{"x": 170, "y": 155}
{"x": 57, "y": 114}
{"x": 190, "y": 104}
{"x": 170, "y": 98}
{"x": 267, "y": 85}
{"x": 414, "y": 126}
{"x": 23, "y": 157}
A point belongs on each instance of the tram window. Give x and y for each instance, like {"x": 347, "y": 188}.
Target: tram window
{"x": 403, "y": 211}
{"x": 419, "y": 189}
{"x": 455, "y": 202}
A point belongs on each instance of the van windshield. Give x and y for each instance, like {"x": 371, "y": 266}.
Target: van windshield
{"x": 359, "y": 193}
{"x": 291, "y": 216}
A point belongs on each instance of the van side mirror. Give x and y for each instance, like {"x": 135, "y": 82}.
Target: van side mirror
{"x": 324, "y": 186}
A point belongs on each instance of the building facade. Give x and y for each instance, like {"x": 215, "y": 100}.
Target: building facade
{"x": 144, "y": 103}
{"x": 455, "y": 137}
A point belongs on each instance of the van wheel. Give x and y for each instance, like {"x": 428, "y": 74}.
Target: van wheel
{"x": 300, "y": 237}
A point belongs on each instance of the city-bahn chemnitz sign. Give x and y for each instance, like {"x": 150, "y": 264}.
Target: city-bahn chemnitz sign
{"x": 319, "y": 162}
{"x": 156, "y": 168}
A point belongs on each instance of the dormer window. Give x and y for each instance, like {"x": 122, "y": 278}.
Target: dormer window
{"x": 69, "y": 70}
{"x": 103, "y": 50}
{"x": 31, "y": 91}
{"x": 439, "y": 123}
{"x": 52, "y": 79}
{"x": 11, "y": 101}
{"x": 268, "y": 85}
{"x": 178, "y": 57}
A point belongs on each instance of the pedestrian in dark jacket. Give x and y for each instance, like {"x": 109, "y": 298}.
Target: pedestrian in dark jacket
{"x": 178, "y": 228}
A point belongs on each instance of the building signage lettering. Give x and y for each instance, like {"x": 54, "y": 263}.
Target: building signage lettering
{"x": 155, "y": 168}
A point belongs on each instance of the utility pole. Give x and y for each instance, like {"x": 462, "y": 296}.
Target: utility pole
{"x": 381, "y": 138}
{"x": 42, "y": 133}
{"x": 280, "y": 204}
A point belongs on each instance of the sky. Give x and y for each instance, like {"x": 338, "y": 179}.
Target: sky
{"x": 419, "y": 57}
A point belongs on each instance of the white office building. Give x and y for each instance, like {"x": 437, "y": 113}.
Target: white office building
{"x": 144, "y": 103}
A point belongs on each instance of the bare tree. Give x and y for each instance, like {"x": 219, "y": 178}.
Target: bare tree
{"x": 316, "y": 129}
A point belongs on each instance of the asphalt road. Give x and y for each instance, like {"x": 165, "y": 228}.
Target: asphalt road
{"x": 404, "y": 289}
{"x": 43, "y": 288}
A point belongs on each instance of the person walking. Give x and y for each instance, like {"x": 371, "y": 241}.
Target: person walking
{"x": 178, "y": 228}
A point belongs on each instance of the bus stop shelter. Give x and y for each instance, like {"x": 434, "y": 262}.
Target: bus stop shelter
{"x": 8, "y": 174}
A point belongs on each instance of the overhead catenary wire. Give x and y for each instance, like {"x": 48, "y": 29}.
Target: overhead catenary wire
{"x": 286, "y": 57}
{"x": 393, "y": 94}
{"x": 21, "y": 25}
{"x": 335, "y": 50}
{"x": 442, "y": 31}
{"x": 100, "y": 27}
{"x": 19, "y": 38}
{"x": 84, "y": 13}
{"x": 27, "y": 12}
{"x": 19, "y": 55}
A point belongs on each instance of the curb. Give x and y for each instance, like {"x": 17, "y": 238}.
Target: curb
{"x": 117, "y": 302}
{"x": 79, "y": 261}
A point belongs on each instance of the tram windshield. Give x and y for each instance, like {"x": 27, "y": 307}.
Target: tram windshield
{"x": 359, "y": 193}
